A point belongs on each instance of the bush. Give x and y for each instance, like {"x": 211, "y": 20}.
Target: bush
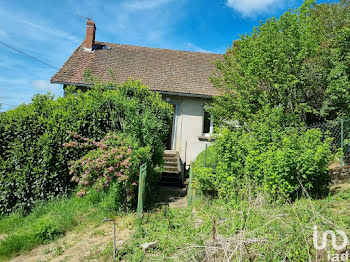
{"x": 296, "y": 166}
{"x": 33, "y": 163}
{"x": 274, "y": 159}
{"x": 204, "y": 169}
{"x": 114, "y": 160}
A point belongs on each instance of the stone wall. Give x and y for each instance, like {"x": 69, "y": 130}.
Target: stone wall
{"x": 339, "y": 174}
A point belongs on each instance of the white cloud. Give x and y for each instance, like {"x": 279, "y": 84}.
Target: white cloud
{"x": 42, "y": 31}
{"x": 195, "y": 48}
{"x": 251, "y": 8}
{"x": 44, "y": 85}
{"x": 142, "y": 22}
{"x": 146, "y": 4}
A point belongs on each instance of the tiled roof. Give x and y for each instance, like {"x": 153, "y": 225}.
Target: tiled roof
{"x": 162, "y": 70}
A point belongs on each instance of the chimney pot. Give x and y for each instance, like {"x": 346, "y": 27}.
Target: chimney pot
{"x": 89, "y": 42}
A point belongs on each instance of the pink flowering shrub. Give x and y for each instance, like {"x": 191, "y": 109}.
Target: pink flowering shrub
{"x": 111, "y": 160}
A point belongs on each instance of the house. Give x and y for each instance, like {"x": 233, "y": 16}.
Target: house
{"x": 181, "y": 77}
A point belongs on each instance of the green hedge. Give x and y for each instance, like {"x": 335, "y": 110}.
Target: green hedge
{"x": 33, "y": 162}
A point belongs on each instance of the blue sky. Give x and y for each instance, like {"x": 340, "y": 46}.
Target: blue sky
{"x": 51, "y": 30}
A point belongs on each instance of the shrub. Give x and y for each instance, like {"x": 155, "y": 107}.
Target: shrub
{"x": 113, "y": 160}
{"x": 33, "y": 163}
{"x": 204, "y": 169}
{"x": 275, "y": 159}
{"x": 299, "y": 163}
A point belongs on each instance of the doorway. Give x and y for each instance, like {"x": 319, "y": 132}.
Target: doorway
{"x": 171, "y": 140}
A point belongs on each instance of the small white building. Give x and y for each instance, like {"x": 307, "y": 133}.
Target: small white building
{"x": 181, "y": 77}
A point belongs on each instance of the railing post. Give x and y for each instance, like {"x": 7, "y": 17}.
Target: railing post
{"x": 190, "y": 188}
{"x": 205, "y": 156}
{"x": 142, "y": 185}
{"x": 185, "y": 154}
{"x": 342, "y": 142}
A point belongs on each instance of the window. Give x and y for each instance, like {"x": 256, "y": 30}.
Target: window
{"x": 207, "y": 123}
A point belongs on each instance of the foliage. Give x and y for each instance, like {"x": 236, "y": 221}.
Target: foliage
{"x": 274, "y": 159}
{"x": 114, "y": 160}
{"x": 204, "y": 170}
{"x": 33, "y": 163}
{"x": 298, "y": 62}
{"x": 299, "y": 163}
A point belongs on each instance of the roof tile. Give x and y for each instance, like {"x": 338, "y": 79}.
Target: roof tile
{"x": 162, "y": 70}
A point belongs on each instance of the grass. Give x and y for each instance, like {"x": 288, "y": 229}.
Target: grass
{"x": 244, "y": 230}
{"x": 51, "y": 220}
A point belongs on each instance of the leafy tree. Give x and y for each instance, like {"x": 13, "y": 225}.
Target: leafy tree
{"x": 298, "y": 62}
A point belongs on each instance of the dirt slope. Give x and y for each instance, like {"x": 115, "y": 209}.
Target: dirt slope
{"x": 93, "y": 243}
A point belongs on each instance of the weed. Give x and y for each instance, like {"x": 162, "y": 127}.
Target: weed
{"x": 58, "y": 251}
{"x": 246, "y": 230}
{"x": 98, "y": 232}
{"x": 47, "y": 251}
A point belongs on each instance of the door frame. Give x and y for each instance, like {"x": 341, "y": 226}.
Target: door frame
{"x": 174, "y": 125}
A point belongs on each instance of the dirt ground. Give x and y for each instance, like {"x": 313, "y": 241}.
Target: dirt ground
{"x": 174, "y": 197}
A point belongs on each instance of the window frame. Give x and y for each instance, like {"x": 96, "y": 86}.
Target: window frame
{"x": 211, "y": 124}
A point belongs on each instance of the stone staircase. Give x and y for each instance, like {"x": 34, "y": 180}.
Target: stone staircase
{"x": 172, "y": 173}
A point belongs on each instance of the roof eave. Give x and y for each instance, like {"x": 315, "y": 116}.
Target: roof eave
{"x": 153, "y": 90}
{"x": 70, "y": 84}
{"x": 183, "y": 94}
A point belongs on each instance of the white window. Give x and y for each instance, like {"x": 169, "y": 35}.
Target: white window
{"x": 207, "y": 123}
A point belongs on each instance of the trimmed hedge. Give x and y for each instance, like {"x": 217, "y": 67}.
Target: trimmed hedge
{"x": 33, "y": 162}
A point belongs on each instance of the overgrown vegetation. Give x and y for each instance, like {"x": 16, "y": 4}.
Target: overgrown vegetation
{"x": 298, "y": 62}
{"x": 33, "y": 162}
{"x": 263, "y": 174}
{"x": 243, "y": 229}
{"x": 246, "y": 228}
{"x": 278, "y": 160}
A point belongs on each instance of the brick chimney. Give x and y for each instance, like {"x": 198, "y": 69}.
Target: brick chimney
{"x": 89, "y": 42}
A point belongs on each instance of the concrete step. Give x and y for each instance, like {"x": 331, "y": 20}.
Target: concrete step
{"x": 169, "y": 154}
{"x": 171, "y": 159}
{"x": 170, "y": 175}
{"x": 171, "y": 178}
{"x": 166, "y": 163}
{"x": 170, "y": 169}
